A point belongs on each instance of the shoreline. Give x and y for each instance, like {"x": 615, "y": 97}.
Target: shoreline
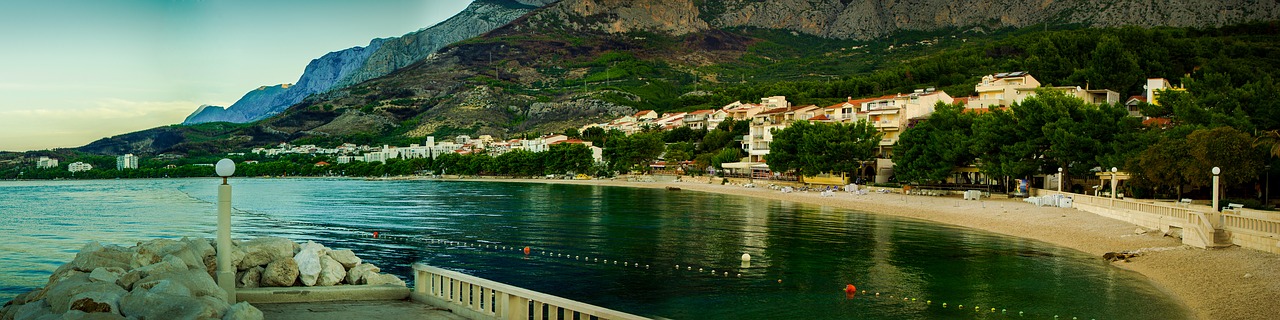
{"x": 1230, "y": 283}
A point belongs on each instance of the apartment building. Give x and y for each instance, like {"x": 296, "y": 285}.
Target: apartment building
{"x": 127, "y": 161}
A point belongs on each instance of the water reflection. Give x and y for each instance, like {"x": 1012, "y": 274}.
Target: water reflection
{"x": 813, "y": 251}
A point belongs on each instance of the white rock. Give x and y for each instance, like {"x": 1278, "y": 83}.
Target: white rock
{"x": 144, "y": 304}
{"x": 331, "y": 272}
{"x": 308, "y": 259}
{"x": 357, "y": 274}
{"x": 261, "y": 251}
{"x": 383, "y": 278}
{"x": 347, "y": 258}
{"x": 243, "y": 311}
{"x": 108, "y": 275}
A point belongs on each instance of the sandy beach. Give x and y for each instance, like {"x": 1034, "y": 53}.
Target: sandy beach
{"x": 1231, "y": 283}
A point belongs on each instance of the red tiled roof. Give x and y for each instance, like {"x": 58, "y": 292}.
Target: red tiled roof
{"x": 702, "y": 112}
{"x": 1156, "y": 122}
{"x": 821, "y": 117}
{"x": 643, "y": 112}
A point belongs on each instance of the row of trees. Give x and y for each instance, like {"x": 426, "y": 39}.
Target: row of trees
{"x": 1052, "y": 130}
{"x": 814, "y": 148}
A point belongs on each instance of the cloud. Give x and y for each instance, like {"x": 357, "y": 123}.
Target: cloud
{"x": 46, "y": 128}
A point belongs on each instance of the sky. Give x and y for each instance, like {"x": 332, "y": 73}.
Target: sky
{"x": 75, "y": 71}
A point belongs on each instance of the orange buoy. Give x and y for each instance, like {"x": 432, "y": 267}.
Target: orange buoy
{"x": 375, "y": 234}
{"x": 850, "y": 289}
{"x": 526, "y": 251}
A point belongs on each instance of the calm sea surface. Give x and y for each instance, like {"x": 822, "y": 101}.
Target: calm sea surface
{"x": 813, "y": 250}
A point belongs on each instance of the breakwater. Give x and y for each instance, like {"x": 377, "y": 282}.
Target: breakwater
{"x": 174, "y": 279}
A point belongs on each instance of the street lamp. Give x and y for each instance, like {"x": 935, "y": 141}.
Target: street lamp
{"x": 1059, "y": 179}
{"x": 1216, "y": 171}
{"x": 226, "y": 274}
{"x": 1113, "y": 181}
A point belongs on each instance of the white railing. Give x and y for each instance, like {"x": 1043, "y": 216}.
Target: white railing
{"x": 1236, "y": 223}
{"x": 1202, "y": 218}
{"x": 478, "y": 298}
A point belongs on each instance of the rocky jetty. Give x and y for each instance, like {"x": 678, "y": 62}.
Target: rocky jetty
{"x": 175, "y": 279}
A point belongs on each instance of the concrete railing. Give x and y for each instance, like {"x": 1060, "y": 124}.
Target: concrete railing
{"x": 1249, "y": 232}
{"x": 476, "y": 298}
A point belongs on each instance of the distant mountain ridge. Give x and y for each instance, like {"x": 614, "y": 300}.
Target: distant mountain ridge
{"x": 576, "y": 61}
{"x": 872, "y": 19}
{"x": 358, "y": 64}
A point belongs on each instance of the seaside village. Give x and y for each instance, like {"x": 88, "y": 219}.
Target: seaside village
{"x": 889, "y": 114}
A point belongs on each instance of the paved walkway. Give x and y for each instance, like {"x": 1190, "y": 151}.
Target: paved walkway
{"x": 349, "y": 310}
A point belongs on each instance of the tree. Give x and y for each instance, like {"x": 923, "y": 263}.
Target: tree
{"x": 1270, "y": 142}
{"x": 1227, "y": 148}
{"x": 567, "y": 158}
{"x": 633, "y": 152}
{"x": 815, "y": 148}
{"x": 678, "y": 152}
{"x": 1165, "y": 164}
{"x": 931, "y": 150}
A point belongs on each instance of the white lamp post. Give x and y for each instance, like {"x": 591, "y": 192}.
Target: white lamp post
{"x": 1059, "y": 179}
{"x": 1216, "y": 171}
{"x": 1113, "y": 181}
{"x": 226, "y": 274}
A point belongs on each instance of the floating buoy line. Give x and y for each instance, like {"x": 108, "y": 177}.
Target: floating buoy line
{"x": 851, "y": 291}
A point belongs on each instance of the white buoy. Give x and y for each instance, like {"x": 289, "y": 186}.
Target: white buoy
{"x": 746, "y": 257}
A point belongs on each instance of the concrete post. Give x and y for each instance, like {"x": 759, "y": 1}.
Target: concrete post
{"x": 226, "y": 273}
{"x": 1216, "y": 171}
{"x": 1059, "y": 179}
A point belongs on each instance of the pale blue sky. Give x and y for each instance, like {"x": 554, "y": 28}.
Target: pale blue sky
{"x": 74, "y": 71}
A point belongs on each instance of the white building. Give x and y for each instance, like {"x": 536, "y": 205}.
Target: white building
{"x": 79, "y": 166}
{"x": 128, "y": 161}
{"x": 46, "y": 162}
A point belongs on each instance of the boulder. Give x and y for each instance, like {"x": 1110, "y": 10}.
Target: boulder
{"x": 33, "y": 310}
{"x": 108, "y": 275}
{"x": 79, "y": 290}
{"x": 192, "y": 252}
{"x": 94, "y": 255}
{"x": 356, "y": 275}
{"x": 81, "y": 315}
{"x": 251, "y": 278}
{"x": 331, "y": 272}
{"x": 262, "y": 251}
{"x": 144, "y": 304}
{"x": 197, "y": 282}
{"x": 243, "y": 311}
{"x": 383, "y": 278}
{"x": 166, "y": 265}
{"x": 347, "y": 258}
{"x": 308, "y": 259}
{"x": 280, "y": 273}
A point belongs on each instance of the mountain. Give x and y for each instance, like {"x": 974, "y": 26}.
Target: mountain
{"x": 574, "y": 62}
{"x": 354, "y": 65}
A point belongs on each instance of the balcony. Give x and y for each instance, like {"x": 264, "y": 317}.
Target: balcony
{"x": 888, "y": 141}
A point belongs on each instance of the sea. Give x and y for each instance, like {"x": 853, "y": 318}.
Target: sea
{"x": 670, "y": 254}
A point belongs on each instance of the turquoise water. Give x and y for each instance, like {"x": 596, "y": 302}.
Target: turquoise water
{"x": 813, "y": 250}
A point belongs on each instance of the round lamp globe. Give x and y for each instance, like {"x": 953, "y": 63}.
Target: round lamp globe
{"x": 1216, "y": 170}
{"x": 225, "y": 168}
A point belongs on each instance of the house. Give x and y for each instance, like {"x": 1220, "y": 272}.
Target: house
{"x": 645, "y": 116}
{"x": 322, "y": 164}
{"x": 740, "y": 111}
{"x": 716, "y": 117}
{"x": 46, "y": 162}
{"x": 1002, "y": 89}
{"x": 79, "y": 167}
{"x": 1151, "y": 91}
{"x": 698, "y": 119}
{"x": 1133, "y": 104}
{"x": 1094, "y": 96}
